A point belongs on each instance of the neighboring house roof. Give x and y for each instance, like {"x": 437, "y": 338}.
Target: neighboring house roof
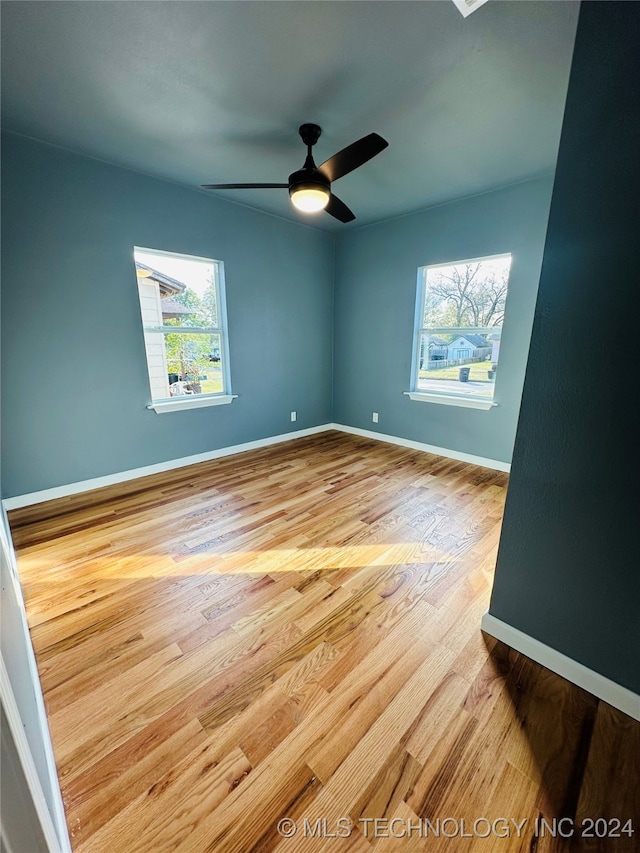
{"x": 168, "y": 286}
{"x": 476, "y": 340}
{"x": 171, "y": 308}
{"x": 438, "y": 342}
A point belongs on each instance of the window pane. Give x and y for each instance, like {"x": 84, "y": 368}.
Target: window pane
{"x": 183, "y": 364}
{"x": 176, "y": 291}
{"x": 463, "y": 312}
{"x": 468, "y": 294}
{"x": 448, "y": 367}
{"x": 194, "y": 364}
{"x": 179, "y": 302}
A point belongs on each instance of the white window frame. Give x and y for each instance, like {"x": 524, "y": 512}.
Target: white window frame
{"x": 197, "y": 401}
{"x": 448, "y": 398}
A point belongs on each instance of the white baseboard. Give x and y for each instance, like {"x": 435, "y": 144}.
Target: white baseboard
{"x": 65, "y": 491}
{"x": 426, "y": 448}
{"x": 609, "y": 691}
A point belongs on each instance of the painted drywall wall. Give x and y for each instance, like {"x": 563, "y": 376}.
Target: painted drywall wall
{"x": 75, "y": 384}
{"x": 567, "y": 571}
{"x": 375, "y": 298}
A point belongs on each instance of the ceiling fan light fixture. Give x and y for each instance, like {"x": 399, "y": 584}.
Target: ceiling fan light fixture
{"x": 309, "y": 198}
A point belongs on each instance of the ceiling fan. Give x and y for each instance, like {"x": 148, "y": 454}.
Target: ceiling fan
{"x": 310, "y": 187}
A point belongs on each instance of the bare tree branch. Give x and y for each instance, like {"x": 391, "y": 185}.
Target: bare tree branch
{"x": 464, "y": 297}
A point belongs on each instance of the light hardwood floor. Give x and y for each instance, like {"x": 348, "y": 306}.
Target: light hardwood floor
{"x": 294, "y": 633}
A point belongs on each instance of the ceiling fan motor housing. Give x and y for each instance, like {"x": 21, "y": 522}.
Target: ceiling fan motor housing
{"x": 308, "y": 179}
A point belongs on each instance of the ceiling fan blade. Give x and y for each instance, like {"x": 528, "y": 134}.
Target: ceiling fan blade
{"x": 352, "y": 156}
{"x": 339, "y": 209}
{"x": 244, "y": 186}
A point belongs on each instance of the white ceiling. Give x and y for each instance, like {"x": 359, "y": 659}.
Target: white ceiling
{"x": 213, "y": 92}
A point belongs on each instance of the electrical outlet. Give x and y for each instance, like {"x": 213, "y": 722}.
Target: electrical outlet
{"x": 294, "y": 416}
{"x": 375, "y": 418}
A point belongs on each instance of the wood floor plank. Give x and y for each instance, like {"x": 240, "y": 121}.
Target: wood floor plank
{"x": 197, "y": 781}
{"x": 293, "y": 633}
{"x": 101, "y": 793}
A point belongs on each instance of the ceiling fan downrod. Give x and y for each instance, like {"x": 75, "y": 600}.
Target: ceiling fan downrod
{"x": 309, "y": 189}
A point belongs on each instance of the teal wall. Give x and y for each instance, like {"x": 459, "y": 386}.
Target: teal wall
{"x": 75, "y": 385}
{"x": 376, "y": 280}
{"x": 319, "y": 325}
{"x": 568, "y": 564}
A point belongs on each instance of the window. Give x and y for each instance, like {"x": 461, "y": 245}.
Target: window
{"x": 460, "y": 312}
{"x": 183, "y": 317}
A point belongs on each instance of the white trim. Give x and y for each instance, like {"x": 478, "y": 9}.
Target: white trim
{"x": 442, "y": 264}
{"x": 496, "y": 464}
{"x": 609, "y": 691}
{"x": 183, "y": 330}
{"x": 451, "y": 400}
{"x": 41, "y": 721}
{"x": 190, "y": 401}
{"x": 4, "y": 841}
{"x": 54, "y": 843}
{"x": 166, "y": 254}
{"x": 122, "y": 476}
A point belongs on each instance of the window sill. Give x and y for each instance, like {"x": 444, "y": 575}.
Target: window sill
{"x": 451, "y": 400}
{"x": 190, "y": 402}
